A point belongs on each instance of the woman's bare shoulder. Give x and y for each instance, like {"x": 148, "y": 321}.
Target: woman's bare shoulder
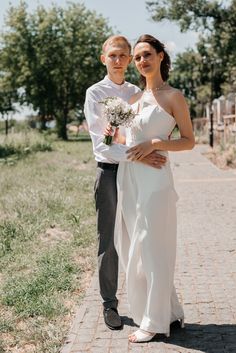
{"x": 135, "y": 97}
{"x": 175, "y": 92}
{"x": 177, "y": 99}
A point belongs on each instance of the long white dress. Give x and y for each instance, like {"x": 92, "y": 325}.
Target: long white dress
{"x": 145, "y": 230}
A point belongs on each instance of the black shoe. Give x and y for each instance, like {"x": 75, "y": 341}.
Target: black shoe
{"x": 177, "y": 324}
{"x": 112, "y": 318}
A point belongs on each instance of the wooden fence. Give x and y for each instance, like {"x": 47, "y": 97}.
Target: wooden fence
{"x": 224, "y": 119}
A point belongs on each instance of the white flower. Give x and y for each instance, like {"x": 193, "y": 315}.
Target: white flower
{"x": 117, "y": 112}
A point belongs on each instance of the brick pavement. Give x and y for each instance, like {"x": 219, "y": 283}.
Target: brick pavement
{"x": 205, "y": 272}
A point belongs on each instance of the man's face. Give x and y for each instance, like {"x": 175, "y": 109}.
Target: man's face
{"x": 116, "y": 58}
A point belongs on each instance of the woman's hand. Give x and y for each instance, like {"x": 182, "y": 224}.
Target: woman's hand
{"x": 140, "y": 151}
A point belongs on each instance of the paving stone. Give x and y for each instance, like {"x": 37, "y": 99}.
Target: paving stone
{"x": 138, "y": 348}
{"x": 80, "y": 347}
{"x": 95, "y": 349}
{"x": 100, "y": 342}
{"x": 118, "y": 349}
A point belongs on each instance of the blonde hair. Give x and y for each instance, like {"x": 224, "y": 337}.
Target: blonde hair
{"x": 115, "y": 39}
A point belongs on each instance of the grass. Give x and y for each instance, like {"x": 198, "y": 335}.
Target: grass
{"x": 18, "y": 145}
{"x": 223, "y": 155}
{"x": 36, "y": 293}
{"x": 47, "y": 243}
{"x": 201, "y": 136}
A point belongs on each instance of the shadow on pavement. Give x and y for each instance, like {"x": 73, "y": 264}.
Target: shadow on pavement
{"x": 207, "y": 338}
{"x": 128, "y": 321}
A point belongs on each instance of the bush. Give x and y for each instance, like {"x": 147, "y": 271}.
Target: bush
{"x": 22, "y": 144}
{"x": 9, "y": 231}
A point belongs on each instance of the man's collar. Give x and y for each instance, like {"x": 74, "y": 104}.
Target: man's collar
{"x": 113, "y": 84}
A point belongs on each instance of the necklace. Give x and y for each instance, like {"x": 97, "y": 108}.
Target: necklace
{"x": 150, "y": 90}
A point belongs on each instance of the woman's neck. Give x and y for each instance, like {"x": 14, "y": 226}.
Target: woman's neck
{"x": 153, "y": 83}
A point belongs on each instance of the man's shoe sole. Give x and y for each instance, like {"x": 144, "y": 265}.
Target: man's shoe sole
{"x": 114, "y": 328}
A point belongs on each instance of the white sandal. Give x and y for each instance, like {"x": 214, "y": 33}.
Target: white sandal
{"x": 145, "y": 336}
{"x": 141, "y": 336}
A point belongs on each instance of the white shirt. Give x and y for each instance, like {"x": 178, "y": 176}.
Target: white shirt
{"x": 97, "y": 124}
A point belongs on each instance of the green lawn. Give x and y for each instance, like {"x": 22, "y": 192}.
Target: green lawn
{"x": 47, "y": 241}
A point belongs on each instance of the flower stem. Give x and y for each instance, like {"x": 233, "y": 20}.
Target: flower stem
{"x": 107, "y": 140}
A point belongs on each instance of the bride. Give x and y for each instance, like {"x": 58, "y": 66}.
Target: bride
{"x": 145, "y": 231}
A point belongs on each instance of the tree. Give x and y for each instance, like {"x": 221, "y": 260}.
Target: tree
{"x": 216, "y": 46}
{"x": 7, "y": 97}
{"x": 195, "y": 14}
{"x": 53, "y": 56}
{"x": 186, "y": 76}
{"x": 6, "y": 104}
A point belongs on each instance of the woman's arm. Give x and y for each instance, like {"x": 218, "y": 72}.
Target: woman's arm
{"x": 153, "y": 159}
{"x": 181, "y": 114}
{"x": 186, "y": 141}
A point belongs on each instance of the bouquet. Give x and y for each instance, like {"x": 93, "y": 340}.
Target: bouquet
{"x": 118, "y": 113}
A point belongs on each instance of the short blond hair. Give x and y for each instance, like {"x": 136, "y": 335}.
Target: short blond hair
{"x": 115, "y": 39}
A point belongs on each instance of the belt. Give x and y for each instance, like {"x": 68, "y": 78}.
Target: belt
{"x": 111, "y": 166}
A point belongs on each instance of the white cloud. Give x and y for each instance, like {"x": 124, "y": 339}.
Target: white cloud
{"x": 170, "y": 47}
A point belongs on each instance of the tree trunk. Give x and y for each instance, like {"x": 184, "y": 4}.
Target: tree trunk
{"x": 6, "y": 126}
{"x": 43, "y": 123}
{"x": 61, "y": 124}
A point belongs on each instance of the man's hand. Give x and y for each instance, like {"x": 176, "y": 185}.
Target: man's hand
{"x": 109, "y": 130}
{"x": 140, "y": 151}
{"x": 115, "y": 132}
{"x": 154, "y": 159}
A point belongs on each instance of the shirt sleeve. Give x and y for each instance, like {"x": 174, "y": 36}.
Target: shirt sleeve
{"x": 92, "y": 110}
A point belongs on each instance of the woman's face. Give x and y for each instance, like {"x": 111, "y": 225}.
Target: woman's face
{"x": 147, "y": 60}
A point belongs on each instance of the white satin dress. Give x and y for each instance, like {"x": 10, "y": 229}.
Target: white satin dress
{"x": 145, "y": 229}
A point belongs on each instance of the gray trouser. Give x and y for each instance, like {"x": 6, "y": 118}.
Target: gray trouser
{"x": 106, "y": 200}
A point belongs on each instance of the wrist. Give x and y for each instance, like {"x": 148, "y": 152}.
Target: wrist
{"x": 156, "y": 144}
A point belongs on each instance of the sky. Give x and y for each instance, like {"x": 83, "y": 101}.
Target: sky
{"x": 128, "y": 17}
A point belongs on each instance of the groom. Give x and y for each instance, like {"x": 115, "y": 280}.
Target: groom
{"x": 116, "y": 56}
